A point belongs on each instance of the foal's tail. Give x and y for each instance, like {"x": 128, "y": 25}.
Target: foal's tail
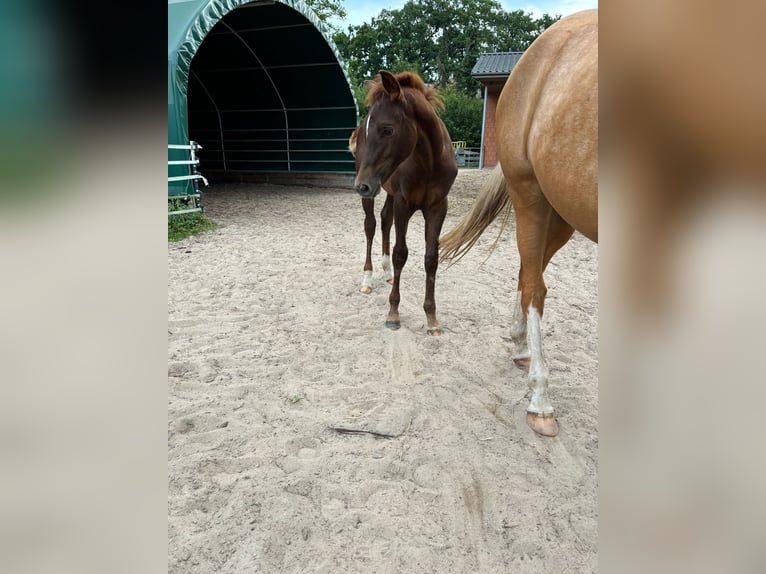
{"x": 492, "y": 200}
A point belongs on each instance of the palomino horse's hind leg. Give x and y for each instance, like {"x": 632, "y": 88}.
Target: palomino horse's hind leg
{"x": 386, "y": 221}
{"x": 519, "y": 335}
{"x": 434, "y": 217}
{"x": 540, "y": 416}
{"x": 369, "y": 230}
{"x": 540, "y": 232}
{"x": 559, "y": 232}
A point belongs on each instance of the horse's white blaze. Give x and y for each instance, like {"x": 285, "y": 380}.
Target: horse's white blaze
{"x": 538, "y": 371}
{"x": 367, "y": 279}
{"x": 388, "y": 270}
{"x": 367, "y": 124}
{"x": 519, "y": 329}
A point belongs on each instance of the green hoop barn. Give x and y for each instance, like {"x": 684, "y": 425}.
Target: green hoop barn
{"x": 260, "y": 86}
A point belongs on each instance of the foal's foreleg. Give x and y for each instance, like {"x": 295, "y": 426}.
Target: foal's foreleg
{"x": 386, "y": 221}
{"x": 368, "y": 204}
{"x": 402, "y": 214}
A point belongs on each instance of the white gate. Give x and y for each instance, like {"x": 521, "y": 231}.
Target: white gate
{"x": 190, "y": 200}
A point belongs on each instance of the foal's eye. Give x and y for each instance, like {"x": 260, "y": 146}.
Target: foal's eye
{"x": 387, "y": 131}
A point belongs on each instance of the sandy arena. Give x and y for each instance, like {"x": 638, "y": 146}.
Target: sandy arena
{"x": 271, "y": 346}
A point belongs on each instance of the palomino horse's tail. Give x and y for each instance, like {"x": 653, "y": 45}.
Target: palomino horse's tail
{"x": 492, "y": 200}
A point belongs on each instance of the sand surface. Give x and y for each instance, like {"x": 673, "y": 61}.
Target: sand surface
{"x": 271, "y": 344}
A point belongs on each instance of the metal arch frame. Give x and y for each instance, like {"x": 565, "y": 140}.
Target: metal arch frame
{"x": 213, "y": 12}
{"x": 217, "y": 111}
{"x": 273, "y": 85}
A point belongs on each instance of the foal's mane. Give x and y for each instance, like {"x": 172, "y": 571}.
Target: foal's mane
{"x": 406, "y": 80}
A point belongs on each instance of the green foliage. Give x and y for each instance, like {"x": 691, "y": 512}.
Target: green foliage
{"x": 327, "y": 9}
{"x": 441, "y": 40}
{"x": 462, "y": 116}
{"x": 186, "y": 224}
{"x": 442, "y": 37}
{"x": 360, "y": 93}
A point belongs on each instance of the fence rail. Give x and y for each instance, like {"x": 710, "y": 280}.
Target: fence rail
{"x": 189, "y": 201}
{"x": 467, "y": 156}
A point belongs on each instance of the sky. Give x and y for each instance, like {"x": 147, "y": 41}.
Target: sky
{"x": 360, "y": 11}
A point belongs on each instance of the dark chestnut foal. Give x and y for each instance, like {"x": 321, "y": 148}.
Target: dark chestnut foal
{"x": 403, "y": 147}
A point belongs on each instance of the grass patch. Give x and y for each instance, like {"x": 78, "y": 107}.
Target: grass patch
{"x": 186, "y": 224}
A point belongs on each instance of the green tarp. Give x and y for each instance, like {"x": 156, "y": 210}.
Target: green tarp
{"x": 259, "y": 85}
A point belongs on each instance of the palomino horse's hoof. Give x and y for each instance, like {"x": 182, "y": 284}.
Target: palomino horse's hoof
{"x": 366, "y": 290}
{"x": 393, "y": 325}
{"x": 390, "y": 281}
{"x": 435, "y": 332}
{"x": 544, "y": 425}
{"x": 523, "y": 363}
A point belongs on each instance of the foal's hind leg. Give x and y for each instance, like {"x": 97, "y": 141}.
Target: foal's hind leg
{"x": 386, "y": 220}
{"x": 368, "y": 204}
{"x": 434, "y": 217}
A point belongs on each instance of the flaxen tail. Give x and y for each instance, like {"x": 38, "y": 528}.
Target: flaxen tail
{"x": 492, "y": 200}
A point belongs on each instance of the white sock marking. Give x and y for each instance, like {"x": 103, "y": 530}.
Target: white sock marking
{"x": 367, "y": 279}
{"x": 538, "y": 371}
{"x": 388, "y": 270}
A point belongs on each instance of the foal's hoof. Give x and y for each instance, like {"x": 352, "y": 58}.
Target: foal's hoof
{"x": 544, "y": 425}
{"x": 393, "y": 325}
{"x": 435, "y": 332}
{"x": 390, "y": 281}
{"x": 366, "y": 290}
{"x": 523, "y": 363}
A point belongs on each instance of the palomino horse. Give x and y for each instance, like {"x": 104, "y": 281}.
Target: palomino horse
{"x": 403, "y": 147}
{"x": 547, "y": 138}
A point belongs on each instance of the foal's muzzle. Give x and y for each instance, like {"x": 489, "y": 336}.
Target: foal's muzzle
{"x": 367, "y": 190}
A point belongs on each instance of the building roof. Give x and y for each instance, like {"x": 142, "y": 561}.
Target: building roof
{"x": 495, "y": 64}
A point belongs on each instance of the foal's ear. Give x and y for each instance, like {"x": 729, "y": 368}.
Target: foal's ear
{"x": 368, "y": 84}
{"x": 391, "y": 85}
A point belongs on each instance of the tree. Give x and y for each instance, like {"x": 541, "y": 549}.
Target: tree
{"x": 441, "y": 40}
{"x": 327, "y": 9}
{"x": 462, "y": 116}
{"x": 444, "y": 37}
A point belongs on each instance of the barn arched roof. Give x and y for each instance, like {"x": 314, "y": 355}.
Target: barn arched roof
{"x": 260, "y": 85}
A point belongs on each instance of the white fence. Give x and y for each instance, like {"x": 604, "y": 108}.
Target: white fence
{"x": 186, "y": 202}
{"x": 466, "y": 156}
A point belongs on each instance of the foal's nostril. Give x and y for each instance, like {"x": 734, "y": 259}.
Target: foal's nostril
{"x": 367, "y": 187}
